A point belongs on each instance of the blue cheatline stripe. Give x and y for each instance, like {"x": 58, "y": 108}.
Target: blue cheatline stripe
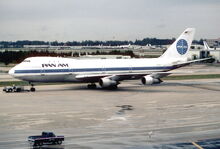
{"x": 92, "y": 69}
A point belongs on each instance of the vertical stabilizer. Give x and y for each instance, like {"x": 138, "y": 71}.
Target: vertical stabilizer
{"x": 181, "y": 46}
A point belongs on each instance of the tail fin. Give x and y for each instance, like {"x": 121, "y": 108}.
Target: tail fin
{"x": 206, "y": 46}
{"x": 181, "y": 46}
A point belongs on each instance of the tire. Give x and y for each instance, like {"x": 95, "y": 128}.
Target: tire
{"x": 113, "y": 87}
{"x": 40, "y": 143}
{"x": 18, "y": 90}
{"x": 32, "y": 89}
{"x": 91, "y": 86}
{"x": 59, "y": 142}
{"x": 35, "y": 144}
{"x": 9, "y": 90}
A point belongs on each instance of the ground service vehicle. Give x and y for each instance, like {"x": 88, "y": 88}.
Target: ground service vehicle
{"x": 45, "y": 138}
{"x": 13, "y": 88}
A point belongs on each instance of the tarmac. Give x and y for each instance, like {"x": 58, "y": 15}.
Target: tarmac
{"x": 174, "y": 114}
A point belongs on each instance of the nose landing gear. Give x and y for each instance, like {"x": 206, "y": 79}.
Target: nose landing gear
{"x": 32, "y": 89}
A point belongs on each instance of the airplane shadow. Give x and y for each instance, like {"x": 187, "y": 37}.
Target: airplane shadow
{"x": 99, "y": 89}
{"x": 48, "y": 147}
{"x": 136, "y": 87}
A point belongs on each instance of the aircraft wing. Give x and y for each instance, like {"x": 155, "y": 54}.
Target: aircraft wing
{"x": 158, "y": 75}
{"x": 120, "y": 77}
{"x": 130, "y": 76}
{"x": 90, "y": 77}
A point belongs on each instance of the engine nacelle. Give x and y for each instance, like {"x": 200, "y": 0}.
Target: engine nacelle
{"x": 148, "y": 80}
{"x": 106, "y": 82}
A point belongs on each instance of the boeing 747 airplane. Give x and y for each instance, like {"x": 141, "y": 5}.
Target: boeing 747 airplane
{"x": 107, "y": 72}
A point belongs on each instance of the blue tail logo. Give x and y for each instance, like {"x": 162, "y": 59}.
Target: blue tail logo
{"x": 182, "y": 46}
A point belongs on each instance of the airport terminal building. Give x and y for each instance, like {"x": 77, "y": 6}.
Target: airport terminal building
{"x": 198, "y": 51}
{"x": 214, "y": 43}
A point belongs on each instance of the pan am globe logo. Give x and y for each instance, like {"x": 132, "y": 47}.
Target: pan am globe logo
{"x": 182, "y": 46}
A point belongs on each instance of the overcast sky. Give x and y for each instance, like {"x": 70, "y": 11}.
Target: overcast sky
{"x": 68, "y": 20}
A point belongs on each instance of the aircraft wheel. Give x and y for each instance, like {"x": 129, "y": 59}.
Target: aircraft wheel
{"x": 18, "y": 90}
{"x": 114, "y": 86}
{"x": 91, "y": 86}
{"x": 33, "y": 89}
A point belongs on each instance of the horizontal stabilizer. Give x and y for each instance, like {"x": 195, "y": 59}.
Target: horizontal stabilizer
{"x": 192, "y": 61}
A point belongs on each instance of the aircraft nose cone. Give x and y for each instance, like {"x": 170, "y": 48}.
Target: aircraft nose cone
{"x": 11, "y": 71}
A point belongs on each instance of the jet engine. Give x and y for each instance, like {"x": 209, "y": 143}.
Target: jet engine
{"x": 148, "y": 80}
{"x": 107, "y": 82}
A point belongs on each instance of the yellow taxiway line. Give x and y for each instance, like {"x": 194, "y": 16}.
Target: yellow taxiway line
{"x": 196, "y": 145}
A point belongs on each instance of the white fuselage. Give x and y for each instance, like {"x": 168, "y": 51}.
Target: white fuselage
{"x": 56, "y": 69}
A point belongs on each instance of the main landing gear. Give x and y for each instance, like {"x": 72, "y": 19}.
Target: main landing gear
{"x": 32, "y": 89}
{"x": 92, "y": 86}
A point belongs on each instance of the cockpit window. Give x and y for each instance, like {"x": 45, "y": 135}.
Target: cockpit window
{"x": 26, "y": 61}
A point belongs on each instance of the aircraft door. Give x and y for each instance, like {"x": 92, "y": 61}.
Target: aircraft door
{"x": 130, "y": 69}
{"x": 42, "y": 71}
{"x": 103, "y": 67}
{"x": 70, "y": 69}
